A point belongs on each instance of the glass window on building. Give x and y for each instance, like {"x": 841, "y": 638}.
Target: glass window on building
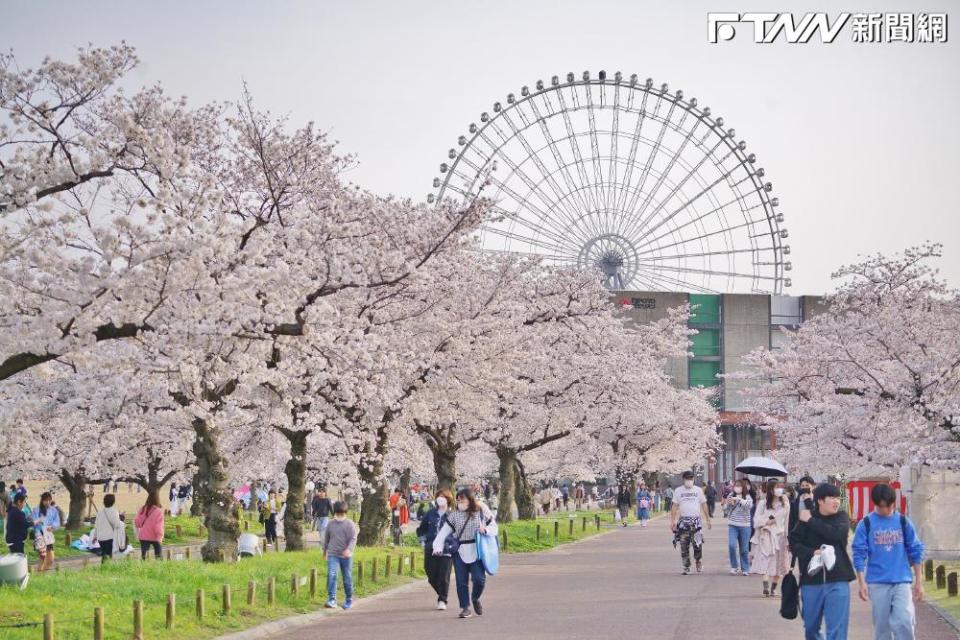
{"x": 778, "y": 339}
{"x": 706, "y": 342}
{"x": 785, "y": 310}
{"x": 704, "y": 374}
{"x": 706, "y": 309}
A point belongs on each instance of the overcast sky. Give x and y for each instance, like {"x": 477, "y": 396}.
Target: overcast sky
{"x": 860, "y": 140}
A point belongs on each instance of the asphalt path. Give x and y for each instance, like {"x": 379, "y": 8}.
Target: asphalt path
{"x": 622, "y": 584}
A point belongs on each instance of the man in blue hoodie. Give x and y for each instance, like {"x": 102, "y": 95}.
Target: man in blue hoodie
{"x": 885, "y": 550}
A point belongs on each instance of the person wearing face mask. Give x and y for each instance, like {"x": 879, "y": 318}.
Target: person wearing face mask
{"x": 820, "y": 544}
{"x": 438, "y": 567}
{"x": 737, "y": 509}
{"x": 470, "y": 518}
{"x": 771, "y": 558}
{"x": 688, "y": 512}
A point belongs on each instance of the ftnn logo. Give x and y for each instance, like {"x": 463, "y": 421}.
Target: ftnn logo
{"x": 767, "y": 27}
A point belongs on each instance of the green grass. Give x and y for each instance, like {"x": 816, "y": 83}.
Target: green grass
{"x": 939, "y": 596}
{"x": 71, "y": 595}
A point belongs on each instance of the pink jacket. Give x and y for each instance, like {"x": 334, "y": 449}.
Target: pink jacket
{"x": 149, "y": 524}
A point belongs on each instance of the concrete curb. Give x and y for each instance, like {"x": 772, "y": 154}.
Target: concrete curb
{"x": 946, "y": 615}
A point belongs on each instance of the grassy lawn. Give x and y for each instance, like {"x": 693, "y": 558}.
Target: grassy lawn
{"x": 939, "y": 596}
{"x": 71, "y": 595}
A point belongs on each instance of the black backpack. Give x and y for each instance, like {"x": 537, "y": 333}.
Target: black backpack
{"x": 789, "y": 595}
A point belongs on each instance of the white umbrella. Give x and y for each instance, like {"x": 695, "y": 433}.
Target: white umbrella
{"x": 761, "y": 466}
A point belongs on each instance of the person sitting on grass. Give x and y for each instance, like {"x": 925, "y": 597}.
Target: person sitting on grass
{"x": 339, "y": 542}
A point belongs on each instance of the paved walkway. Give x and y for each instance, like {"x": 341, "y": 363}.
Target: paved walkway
{"x": 622, "y": 585}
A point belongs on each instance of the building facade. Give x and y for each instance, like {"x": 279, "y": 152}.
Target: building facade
{"x": 728, "y": 326}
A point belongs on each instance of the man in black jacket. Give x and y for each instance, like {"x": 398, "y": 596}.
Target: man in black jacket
{"x": 805, "y": 494}
{"x": 321, "y": 508}
{"x": 820, "y": 534}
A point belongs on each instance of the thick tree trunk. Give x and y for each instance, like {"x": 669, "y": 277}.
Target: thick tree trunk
{"x": 374, "y": 512}
{"x": 221, "y": 517}
{"x": 508, "y": 471}
{"x": 444, "y": 465}
{"x": 295, "y": 470}
{"x": 526, "y": 507}
{"x": 76, "y": 486}
{"x": 199, "y": 503}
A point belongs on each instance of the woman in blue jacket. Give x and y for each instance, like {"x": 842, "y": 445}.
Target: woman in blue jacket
{"x": 437, "y": 568}
{"x": 46, "y": 520}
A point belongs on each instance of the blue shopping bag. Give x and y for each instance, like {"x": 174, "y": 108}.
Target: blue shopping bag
{"x": 488, "y": 551}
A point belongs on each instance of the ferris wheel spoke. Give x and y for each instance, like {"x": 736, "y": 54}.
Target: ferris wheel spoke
{"x": 575, "y": 147}
{"x": 632, "y": 155}
{"x": 654, "y": 151}
{"x": 612, "y": 195}
{"x": 595, "y": 145}
{"x": 555, "y": 257}
{"x": 670, "y": 282}
{"x": 703, "y": 254}
{"x": 510, "y": 235}
{"x": 729, "y": 274}
{"x": 725, "y": 230}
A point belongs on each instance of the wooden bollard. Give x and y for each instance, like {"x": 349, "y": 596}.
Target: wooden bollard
{"x": 386, "y": 571}
{"x": 295, "y": 585}
{"x": 171, "y": 610}
{"x": 313, "y": 583}
{"x": 941, "y": 576}
{"x": 271, "y": 590}
{"x": 246, "y": 525}
{"x": 952, "y": 583}
{"x": 251, "y": 593}
{"x": 359, "y": 574}
{"x": 98, "y": 623}
{"x": 200, "y": 531}
{"x": 169, "y": 554}
{"x": 570, "y": 532}
{"x": 199, "y": 604}
{"x": 48, "y": 630}
{"x": 928, "y": 570}
{"x": 86, "y": 563}
{"x": 263, "y": 544}
{"x": 556, "y": 530}
{"x": 227, "y": 603}
{"x": 596, "y": 521}
{"x": 138, "y": 619}
{"x": 187, "y": 553}
{"x": 373, "y": 573}
{"x": 538, "y": 532}
{"x": 67, "y": 539}
{"x": 413, "y": 562}
{"x": 504, "y": 539}
{"x": 179, "y": 531}
{"x": 584, "y": 523}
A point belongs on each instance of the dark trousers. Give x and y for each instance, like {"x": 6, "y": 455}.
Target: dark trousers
{"x": 106, "y": 549}
{"x": 711, "y": 504}
{"x": 270, "y": 529}
{"x": 437, "y": 569}
{"x": 145, "y": 546}
{"x": 15, "y": 547}
{"x": 464, "y": 573}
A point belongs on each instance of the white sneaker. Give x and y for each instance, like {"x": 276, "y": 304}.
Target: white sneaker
{"x": 734, "y": 572}
{"x": 331, "y": 604}
{"x": 441, "y": 605}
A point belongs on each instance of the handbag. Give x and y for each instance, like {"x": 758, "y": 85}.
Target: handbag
{"x": 451, "y": 544}
{"x": 488, "y": 552}
{"x": 790, "y": 592}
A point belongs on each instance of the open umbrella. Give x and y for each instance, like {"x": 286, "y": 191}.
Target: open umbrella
{"x": 761, "y": 466}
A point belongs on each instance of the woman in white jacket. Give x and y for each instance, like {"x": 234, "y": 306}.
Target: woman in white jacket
{"x": 771, "y": 559}
{"x": 471, "y": 519}
{"x": 108, "y": 527}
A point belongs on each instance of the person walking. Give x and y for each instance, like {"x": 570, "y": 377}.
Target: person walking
{"x": 807, "y": 485}
{"x": 820, "y": 544}
{"x": 688, "y": 512}
{"x": 737, "y": 511}
{"x": 668, "y": 498}
{"x": 771, "y": 558}
{"x": 644, "y": 502}
{"x": 269, "y": 515}
{"x": 4, "y": 502}
{"x": 437, "y": 568}
{"x": 174, "y": 500}
{"x": 149, "y": 526}
{"x": 18, "y": 524}
{"x": 885, "y": 550}
{"x": 46, "y": 520}
{"x": 469, "y": 519}
{"x": 624, "y": 503}
{"x": 340, "y": 539}
{"x": 107, "y": 527}
{"x": 711, "y": 494}
{"x": 321, "y": 508}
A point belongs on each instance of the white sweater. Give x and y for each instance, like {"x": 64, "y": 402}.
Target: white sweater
{"x": 107, "y": 523}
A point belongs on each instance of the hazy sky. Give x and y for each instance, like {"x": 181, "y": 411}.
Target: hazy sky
{"x": 860, "y": 140}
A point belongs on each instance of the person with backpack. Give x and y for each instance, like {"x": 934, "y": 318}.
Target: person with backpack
{"x": 436, "y": 567}
{"x": 470, "y": 519}
{"x": 644, "y": 502}
{"x": 820, "y": 545}
{"x": 888, "y": 556}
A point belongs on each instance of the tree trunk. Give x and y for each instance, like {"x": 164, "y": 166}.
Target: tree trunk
{"x": 374, "y": 512}
{"x": 445, "y": 466}
{"x": 199, "y": 503}
{"x": 221, "y": 517}
{"x": 405, "y": 482}
{"x": 526, "y": 508}
{"x": 508, "y": 470}
{"x": 295, "y": 469}
{"x": 76, "y": 485}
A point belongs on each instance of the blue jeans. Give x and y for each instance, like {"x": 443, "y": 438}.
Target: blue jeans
{"x": 739, "y": 536}
{"x": 643, "y": 514}
{"x": 344, "y": 565}
{"x": 473, "y": 571}
{"x": 320, "y": 524}
{"x": 828, "y": 603}
{"x": 893, "y": 611}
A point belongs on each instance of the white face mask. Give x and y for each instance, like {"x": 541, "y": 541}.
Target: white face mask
{"x": 738, "y": 489}
{"x": 442, "y": 502}
{"x": 462, "y": 506}
{"x": 688, "y": 484}
{"x": 778, "y": 491}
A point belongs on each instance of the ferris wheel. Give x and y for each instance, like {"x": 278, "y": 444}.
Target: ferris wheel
{"x": 634, "y": 180}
